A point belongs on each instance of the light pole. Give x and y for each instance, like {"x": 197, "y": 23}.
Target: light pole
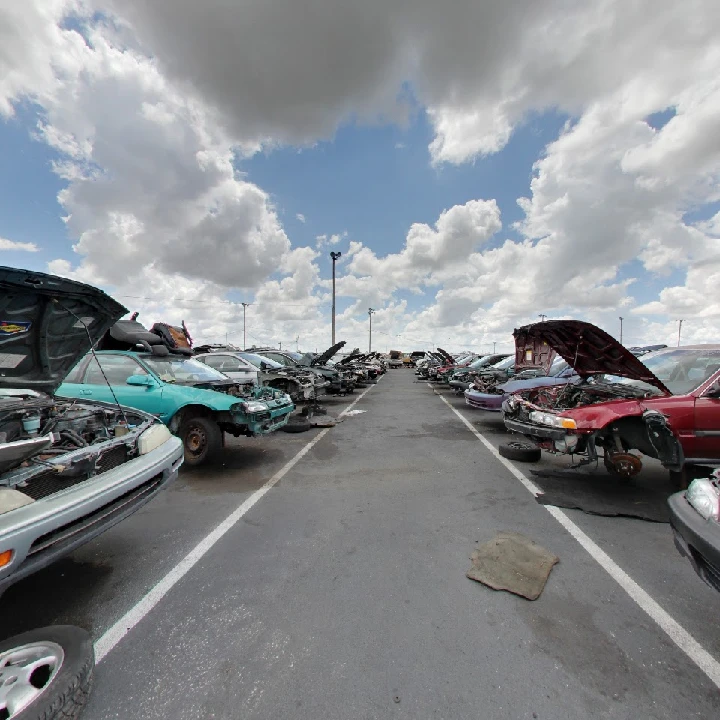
{"x": 680, "y": 330}
{"x": 245, "y": 306}
{"x": 370, "y": 314}
{"x": 621, "y": 322}
{"x": 494, "y": 344}
{"x": 542, "y": 317}
{"x": 335, "y": 257}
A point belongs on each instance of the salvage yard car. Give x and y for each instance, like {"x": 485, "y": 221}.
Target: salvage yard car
{"x": 69, "y": 469}
{"x": 666, "y": 407}
{"x": 195, "y": 401}
{"x": 298, "y": 384}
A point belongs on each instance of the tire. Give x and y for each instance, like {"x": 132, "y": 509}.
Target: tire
{"x": 63, "y": 687}
{"x": 522, "y": 451}
{"x": 202, "y": 440}
{"x": 296, "y": 427}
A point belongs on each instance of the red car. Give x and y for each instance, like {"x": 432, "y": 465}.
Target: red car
{"x": 666, "y": 407}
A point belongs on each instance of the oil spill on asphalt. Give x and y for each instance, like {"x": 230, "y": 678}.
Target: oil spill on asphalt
{"x": 50, "y": 596}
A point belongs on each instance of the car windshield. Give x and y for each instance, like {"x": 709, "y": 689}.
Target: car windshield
{"x": 681, "y": 370}
{"x": 183, "y": 371}
{"x": 257, "y": 360}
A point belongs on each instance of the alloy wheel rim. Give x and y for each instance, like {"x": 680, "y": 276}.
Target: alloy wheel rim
{"x": 25, "y": 673}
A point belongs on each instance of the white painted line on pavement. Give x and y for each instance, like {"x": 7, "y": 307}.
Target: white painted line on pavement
{"x": 676, "y": 632}
{"x": 114, "y": 634}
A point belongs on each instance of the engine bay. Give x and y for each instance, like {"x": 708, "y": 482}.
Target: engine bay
{"x": 47, "y": 445}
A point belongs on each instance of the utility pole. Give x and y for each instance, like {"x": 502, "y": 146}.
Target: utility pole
{"x": 335, "y": 257}
{"x": 621, "y": 322}
{"x": 245, "y": 305}
{"x": 494, "y": 344}
{"x": 297, "y": 344}
{"x": 370, "y": 314}
{"x": 680, "y": 330}
{"x": 542, "y": 317}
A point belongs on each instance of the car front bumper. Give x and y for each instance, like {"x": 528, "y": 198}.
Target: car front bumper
{"x": 536, "y": 431}
{"x": 47, "y": 529}
{"x": 484, "y": 401}
{"x": 696, "y": 538}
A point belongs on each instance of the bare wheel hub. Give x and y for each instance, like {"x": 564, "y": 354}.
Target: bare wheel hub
{"x": 623, "y": 464}
{"x": 195, "y": 440}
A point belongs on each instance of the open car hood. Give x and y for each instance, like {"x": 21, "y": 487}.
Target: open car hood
{"x": 43, "y": 321}
{"x": 586, "y": 348}
{"x": 324, "y": 357}
{"x": 532, "y": 352}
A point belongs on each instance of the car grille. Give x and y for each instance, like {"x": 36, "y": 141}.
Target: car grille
{"x": 49, "y": 483}
{"x": 103, "y": 514}
{"x": 711, "y": 573}
{"x": 112, "y": 458}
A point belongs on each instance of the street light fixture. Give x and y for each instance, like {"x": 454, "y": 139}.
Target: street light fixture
{"x": 245, "y": 306}
{"x": 542, "y": 317}
{"x": 371, "y": 312}
{"x": 335, "y": 257}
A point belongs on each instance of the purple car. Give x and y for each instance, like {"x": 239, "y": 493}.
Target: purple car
{"x": 493, "y": 396}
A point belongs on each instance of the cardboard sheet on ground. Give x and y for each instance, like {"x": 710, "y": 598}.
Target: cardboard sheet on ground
{"x": 601, "y": 494}
{"x": 512, "y": 562}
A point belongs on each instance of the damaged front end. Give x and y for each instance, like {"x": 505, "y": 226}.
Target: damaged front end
{"x": 591, "y": 416}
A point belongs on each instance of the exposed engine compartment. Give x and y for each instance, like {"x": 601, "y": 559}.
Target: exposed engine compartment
{"x": 47, "y": 445}
{"x": 571, "y": 395}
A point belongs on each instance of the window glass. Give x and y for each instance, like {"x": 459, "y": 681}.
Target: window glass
{"x": 117, "y": 370}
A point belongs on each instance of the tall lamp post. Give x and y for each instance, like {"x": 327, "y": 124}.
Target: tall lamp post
{"x": 245, "y": 306}
{"x": 621, "y": 322}
{"x": 335, "y": 257}
{"x": 679, "y": 331}
{"x": 542, "y": 317}
{"x": 370, "y": 314}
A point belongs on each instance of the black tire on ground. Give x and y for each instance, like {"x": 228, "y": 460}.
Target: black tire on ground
{"x": 519, "y": 450}
{"x": 64, "y": 689}
{"x": 296, "y": 427}
{"x": 202, "y": 439}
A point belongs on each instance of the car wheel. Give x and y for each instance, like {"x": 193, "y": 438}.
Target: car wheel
{"x": 202, "y": 439}
{"x": 46, "y": 673}
{"x": 522, "y": 451}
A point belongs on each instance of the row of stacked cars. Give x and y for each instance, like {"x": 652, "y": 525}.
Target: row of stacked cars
{"x": 97, "y": 414}
{"x": 572, "y": 389}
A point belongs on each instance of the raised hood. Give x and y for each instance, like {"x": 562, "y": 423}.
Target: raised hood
{"x": 586, "y": 348}
{"x": 322, "y": 359}
{"x": 42, "y": 327}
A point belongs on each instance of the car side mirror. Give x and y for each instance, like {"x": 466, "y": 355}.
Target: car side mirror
{"x": 141, "y": 381}
{"x": 264, "y": 365}
{"x": 714, "y": 390}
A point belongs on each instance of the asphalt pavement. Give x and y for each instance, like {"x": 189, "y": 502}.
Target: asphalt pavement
{"x": 340, "y": 591}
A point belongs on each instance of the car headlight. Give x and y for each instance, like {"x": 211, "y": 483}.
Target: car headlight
{"x": 152, "y": 438}
{"x": 255, "y": 407}
{"x": 542, "y": 418}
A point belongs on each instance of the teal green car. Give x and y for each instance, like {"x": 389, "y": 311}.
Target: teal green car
{"x": 195, "y": 401}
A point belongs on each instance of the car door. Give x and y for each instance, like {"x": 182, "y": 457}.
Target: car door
{"x": 117, "y": 369}
{"x": 707, "y": 423}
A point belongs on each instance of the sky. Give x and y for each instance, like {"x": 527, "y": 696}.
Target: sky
{"x": 478, "y": 164}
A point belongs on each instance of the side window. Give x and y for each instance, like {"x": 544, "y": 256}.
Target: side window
{"x": 277, "y": 358}
{"x": 231, "y": 364}
{"x": 117, "y": 370}
{"x": 75, "y": 375}
{"x": 214, "y": 361}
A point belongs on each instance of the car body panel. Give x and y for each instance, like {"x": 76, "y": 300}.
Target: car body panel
{"x": 587, "y": 348}
{"x": 696, "y": 539}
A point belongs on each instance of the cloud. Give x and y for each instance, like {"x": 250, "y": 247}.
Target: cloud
{"x": 300, "y": 217}
{"x": 147, "y": 109}
{"x": 6, "y": 244}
